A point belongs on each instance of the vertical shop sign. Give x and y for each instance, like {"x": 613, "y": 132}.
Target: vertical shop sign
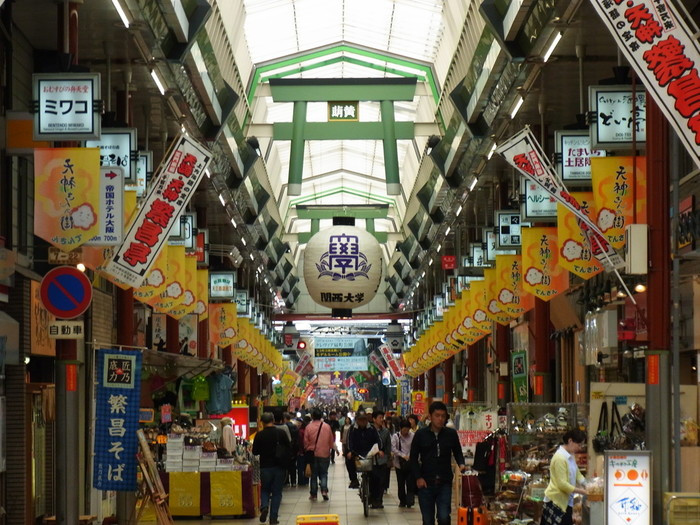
{"x": 178, "y": 178}
{"x": 67, "y": 193}
{"x": 404, "y": 389}
{"x": 493, "y": 310}
{"x": 574, "y": 245}
{"x": 512, "y": 299}
{"x": 117, "y": 419}
{"x": 665, "y": 54}
{"x": 67, "y": 106}
{"x": 111, "y": 208}
{"x": 392, "y": 363}
{"x": 418, "y": 402}
{"x": 519, "y": 374}
{"x": 628, "y": 487}
{"x": 202, "y": 306}
{"x": 523, "y": 152}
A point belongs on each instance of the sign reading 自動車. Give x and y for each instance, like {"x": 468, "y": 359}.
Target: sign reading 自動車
{"x": 660, "y": 47}
{"x": 67, "y": 106}
{"x": 178, "y": 177}
{"x": 117, "y": 419}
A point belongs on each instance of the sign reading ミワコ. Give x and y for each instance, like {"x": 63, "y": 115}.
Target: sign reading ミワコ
{"x": 67, "y": 106}
{"x": 117, "y": 419}
{"x": 179, "y": 175}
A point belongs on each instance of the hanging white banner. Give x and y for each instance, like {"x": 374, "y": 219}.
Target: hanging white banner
{"x": 111, "y": 208}
{"x": 523, "y": 152}
{"x": 178, "y": 177}
{"x": 661, "y": 49}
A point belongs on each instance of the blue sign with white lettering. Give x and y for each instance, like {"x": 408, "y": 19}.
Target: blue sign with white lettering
{"x": 117, "y": 411}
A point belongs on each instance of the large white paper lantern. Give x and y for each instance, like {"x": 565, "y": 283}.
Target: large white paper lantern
{"x": 342, "y": 267}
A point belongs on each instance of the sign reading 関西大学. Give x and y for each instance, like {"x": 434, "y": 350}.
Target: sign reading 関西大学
{"x": 665, "y": 54}
{"x": 179, "y": 176}
{"x": 628, "y": 487}
{"x": 117, "y": 419}
{"x": 67, "y": 106}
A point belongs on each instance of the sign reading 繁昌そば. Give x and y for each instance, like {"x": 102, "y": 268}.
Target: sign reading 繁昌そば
{"x": 117, "y": 419}
{"x": 67, "y": 106}
{"x": 179, "y": 177}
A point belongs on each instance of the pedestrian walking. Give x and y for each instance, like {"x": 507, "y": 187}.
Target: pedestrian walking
{"x": 272, "y": 446}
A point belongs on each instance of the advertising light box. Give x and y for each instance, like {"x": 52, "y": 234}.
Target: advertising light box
{"x": 620, "y": 116}
{"x": 222, "y": 285}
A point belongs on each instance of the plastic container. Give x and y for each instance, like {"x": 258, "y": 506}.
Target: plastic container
{"x": 318, "y": 519}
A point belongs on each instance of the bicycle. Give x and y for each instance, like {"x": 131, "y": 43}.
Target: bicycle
{"x": 364, "y": 466}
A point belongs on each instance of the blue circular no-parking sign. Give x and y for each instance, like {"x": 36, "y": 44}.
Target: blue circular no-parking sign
{"x": 66, "y": 292}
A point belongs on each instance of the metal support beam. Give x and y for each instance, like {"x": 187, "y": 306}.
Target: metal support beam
{"x": 342, "y": 130}
{"x": 391, "y": 156}
{"x": 296, "y": 154}
{"x": 329, "y": 90}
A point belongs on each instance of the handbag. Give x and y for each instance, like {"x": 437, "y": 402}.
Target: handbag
{"x": 618, "y": 439}
{"x": 601, "y": 440}
{"x": 551, "y": 514}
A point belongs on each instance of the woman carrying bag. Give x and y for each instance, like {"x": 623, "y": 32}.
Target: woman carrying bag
{"x": 401, "y": 450}
{"x": 563, "y": 477}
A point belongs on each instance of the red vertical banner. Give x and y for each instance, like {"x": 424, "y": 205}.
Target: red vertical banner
{"x": 653, "y": 369}
{"x": 539, "y": 385}
{"x": 501, "y": 390}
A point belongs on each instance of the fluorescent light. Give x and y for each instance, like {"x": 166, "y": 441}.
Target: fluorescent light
{"x": 222, "y": 200}
{"x": 157, "y": 81}
{"x": 244, "y": 243}
{"x": 516, "y": 106}
{"x": 120, "y": 11}
{"x": 423, "y": 274}
{"x": 439, "y": 248}
{"x": 493, "y": 148}
{"x": 552, "y": 46}
{"x": 233, "y": 221}
{"x": 459, "y": 210}
{"x": 207, "y": 173}
{"x": 251, "y": 257}
{"x": 430, "y": 263}
{"x": 447, "y": 231}
{"x": 473, "y": 184}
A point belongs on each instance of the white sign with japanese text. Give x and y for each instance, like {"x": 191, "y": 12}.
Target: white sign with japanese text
{"x": 620, "y": 116}
{"x": 628, "y": 487}
{"x": 66, "y": 106}
{"x": 179, "y": 176}
{"x": 661, "y": 49}
{"x": 539, "y": 203}
{"x": 66, "y": 330}
{"x": 111, "y": 208}
{"x": 576, "y": 152}
{"x": 116, "y": 149}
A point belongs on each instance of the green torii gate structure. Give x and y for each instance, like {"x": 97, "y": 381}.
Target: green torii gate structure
{"x": 382, "y": 90}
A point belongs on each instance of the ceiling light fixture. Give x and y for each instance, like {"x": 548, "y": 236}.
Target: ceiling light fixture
{"x": 552, "y": 46}
{"x": 207, "y": 173}
{"x": 640, "y": 287}
{"x": 222, "y": 200}
{"x": 459, "y": 210}
{"x": 491, "y": 151}
{"x": 158, "y": 82}
{"x": 439, "y": 248}
{"x": 516, "y": 107}
{"x": 447, "y": 231}
{"x": 473, "y": 184}
{"x": 233, "y": 221}
{"x": 121, "y": 12}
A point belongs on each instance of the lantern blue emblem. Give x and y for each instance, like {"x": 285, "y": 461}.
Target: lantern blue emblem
{"x": 343, "y": 260}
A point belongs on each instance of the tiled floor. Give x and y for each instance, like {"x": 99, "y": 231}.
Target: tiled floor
{"x": 343, "y": 501}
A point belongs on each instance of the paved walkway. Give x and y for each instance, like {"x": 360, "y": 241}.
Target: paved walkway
{"x": 343, "y": 501}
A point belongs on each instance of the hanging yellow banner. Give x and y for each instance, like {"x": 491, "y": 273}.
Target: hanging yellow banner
{"x": 202, "y": 307}
{"x": 543, "y": 276}
{"x": 66, "y": 195}
{"x": 223, "y": 324}
{"x": 189, "y": 294}
{"x": 226, "y": 493}
{"x": 493, "y": 310}
{"x": 174, "y": 292}
{"x": 155, "y": 284}
{"x": 574, "y": 246}
{"x": 184, "y": 494}
{"x": 478, "y": 297}
{"x": 512, "y": 299}
{"x": 618, "y": 182}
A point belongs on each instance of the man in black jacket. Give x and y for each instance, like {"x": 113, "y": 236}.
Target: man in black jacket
{"x": 273, "y": 466}
{"x": 294, "y": 433}
{"x": 431, "y": 454}
{"x": 361, "y": 439}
